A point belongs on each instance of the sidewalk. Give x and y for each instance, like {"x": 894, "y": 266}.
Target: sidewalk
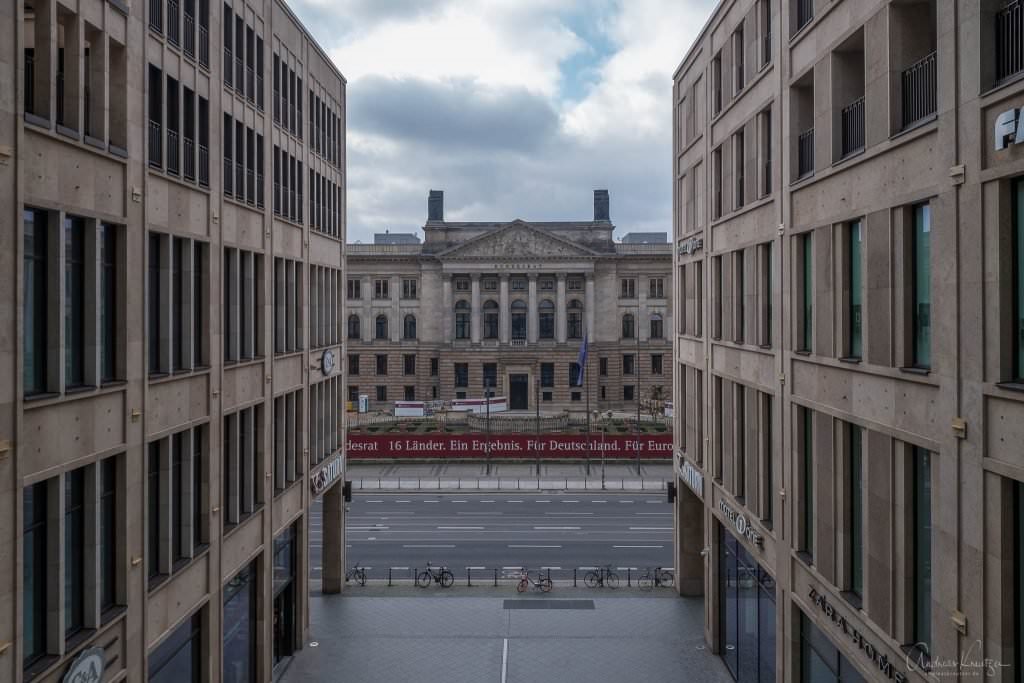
{"x": 473, "y": 476}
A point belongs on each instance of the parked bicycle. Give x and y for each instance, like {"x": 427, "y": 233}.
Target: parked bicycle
{"x": 543, "y": 582}
{"x": 655, "y": 577}
{"x": 441, "y": 576}
{"x": 357, "y": 574}
{"x": 601, "y": 577}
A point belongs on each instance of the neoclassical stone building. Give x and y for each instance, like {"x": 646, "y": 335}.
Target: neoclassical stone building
{"x": 509, "y": 304}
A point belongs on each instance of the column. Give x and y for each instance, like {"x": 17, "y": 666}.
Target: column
{"x": 533, "y": 321}
{"x": 333, "y": 539}
{"x": 396, "y": 311}
{"x": 643, "y": 323}
{"x": 504, "y": 319}
{"x": 589, "y": 303}
{"x": 560, "y": 331}
{"x": 367, "y": 313}
{"x": 446, "y": 317}
{"x": 475, "y": 313}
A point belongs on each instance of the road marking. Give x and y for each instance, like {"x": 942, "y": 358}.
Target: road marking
{"x": 375, "y": 527}
{"x": 486, "y": 501}
{"x": 435, "y": 546}
{"x": 534, "y": 546}
{"x": 504, "y": 662}
{"x": 599, "y": 501}
{"x": 638, "y": 546}
{"x": 375, "y": 501}
{"x": 453, "y": 528}
{"x": 513, "y": 501}
{"x": 401, "y": 501}
{"x": 652, "y": 513}
{"x": 476, "y": 567}
{"x": 654, "y": 502}
{"x": 431, "y": 501}
{"x": 399, "y": 567}
{"x": 568, "y": 514}
{"x": 625, "y": 501}
{"x": 511, "y": 567}
{"x": 480, "y": 514}
{"x": 458, "y": 501}
{"x": 542, "y": 501}
{"x": 650, "y": 528}
{"x": 556, "y": 528}
{"x": 550, "y": 567}
{"x": 570, "y": 501}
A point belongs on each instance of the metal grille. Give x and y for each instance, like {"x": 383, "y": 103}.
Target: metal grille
{"x": 852, "y": 123}
{"x": 172, "y": 21}
{"x": 805, "y": 153}
{"x": 1010, "y": 40}
{"x": 172, "y": 151}
{"x": 919, "y": 100}
{"x": 154, "y": 144}
{"x": 204, "y": 166}
{"x": 189, "y": 152}
{"x": 804, "y": 13}
{"x": 190, "y": 35}
{"x": 156, "y": 15}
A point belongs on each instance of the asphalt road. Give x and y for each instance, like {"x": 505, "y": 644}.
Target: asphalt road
{"x": 499, "y": 530}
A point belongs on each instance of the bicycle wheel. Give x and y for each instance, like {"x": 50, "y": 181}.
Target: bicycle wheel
{"x": 646, "y": 582}
{"x": 545, "y": 585}
{"x": 522, "y": 586}
{"x": 423, "y": 579}
{"x": 591, "y": 580}
{"x": 447, "y": 578}
{"x": 666, "y": 578}
{"x": 361, "y": 577}
{"x": 611, "y": 580}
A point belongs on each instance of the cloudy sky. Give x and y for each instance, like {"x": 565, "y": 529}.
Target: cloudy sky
{"x": 515, "y": 108}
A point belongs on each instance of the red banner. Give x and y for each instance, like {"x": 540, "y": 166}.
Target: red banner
{"x": 651, "y": 446}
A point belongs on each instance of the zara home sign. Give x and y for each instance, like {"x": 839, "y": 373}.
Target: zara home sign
{"x": 326, "y": 475}
{"x": 743, "y": 526}
{"x": 1009, "y": 128}
{"x": 88, "y": 667}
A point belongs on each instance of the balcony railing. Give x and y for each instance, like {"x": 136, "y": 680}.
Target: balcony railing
{"x": 291, "y": 118}
{"x": 766, "y": 48}
{"x": 518, "y": 341}
{"x": 852, "y": 127}
{"x": 228, "y": 62}
{"x": 259, "y": 190}
{"x": 239, "y": 181}
{"x": 277, "y": 106}
{"x": 250, "y": 186}
{"x": 298, "y": 207}
{"x": 204, "y": 166}
{"x": 154, "y": 144}
{"x": 805, "y": 153}
{"x": 172, "y": 22}
{"x": 250, "y": 83}
{"x": 204, "y": 46}
{"x": 1010, "y": 40}
{"x": 277, "y": 198}
{"x": 919, "y": 84}
{"x": 240, "y": 76}
{"x": 156, "y": 15}
{"x": 766, "y": 177}
{"x": 190, "y": 35}
{"x": 228, "y": 177}
{"x": 172, "y": 151}
{"x": 804, "y": 13}
{"x": 189, "y": 154}
{"x": 259, "y": 92}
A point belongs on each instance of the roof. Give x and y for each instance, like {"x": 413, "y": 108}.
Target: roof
{"x": 645, "y": 238}
{"x": 396, "y": 238}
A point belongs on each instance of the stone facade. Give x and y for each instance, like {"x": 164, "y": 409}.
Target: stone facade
{"x": 849, "y": 342}
{"x": 516, "y": 296}
{"x": 161, "y": 370}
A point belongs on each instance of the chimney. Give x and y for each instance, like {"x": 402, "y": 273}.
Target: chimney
{"x": 435, "y": 206}
{"x": 601, "y": 205}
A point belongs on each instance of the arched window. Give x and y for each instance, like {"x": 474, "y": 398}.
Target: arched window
{"x": 462, "y": 320}
{"x": 547, "y": 319}
{"x": 628, "y": 328}
{"x": 409, "y": 327}
{"x": 491, "y": 319}
{"x": 353, "y": 327}
{"x": 575, "y": 320}
{"x": 382, "y": 327}
{"x": 656, "y": 326}
{"x": 519, "y": 309}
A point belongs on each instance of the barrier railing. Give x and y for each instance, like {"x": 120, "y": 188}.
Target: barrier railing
{"x": 480, "y": 576}
{"x": 593, "y": 483}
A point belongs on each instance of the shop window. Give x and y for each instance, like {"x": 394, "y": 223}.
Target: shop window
{"x": 820, "y": 660}
{"x": 747, "y": 612}
{"x": 179, "y": 657}
{"x": 240, "y": 626}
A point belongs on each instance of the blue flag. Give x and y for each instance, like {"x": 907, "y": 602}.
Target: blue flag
{"x": 581, "y": 362}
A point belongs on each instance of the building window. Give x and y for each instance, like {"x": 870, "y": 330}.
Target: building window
{"x": 434, "y": 367}
{"x": 807, "y": 292}
{"x": 807, "y": 479}
{"x": 353, "y": 289}
{"x": 820, "y": 660}
{"x": 519, "y": 311}
{"x": 627, "y": 392}
{"x": 547, "y": 374}
{"x": 716, "y": 182}
{"x": 656, "y": 360}
{"x": 739, "y": 156}
{"x": 856, "y": 494}
{"x": 604, "y": 392}
{"x": 380, "y": 289}
{"x": 409, "y": 327}
{"x": 35, "y": 607}
{"x": 628, "y": 326}
{"x": 628, "y": 288}
{"x": 546, "y": 312}
{"x": 288, "y": 436}
{"x": 462, "y": 320}
{"x": 324, "y": 420}
{"x": 410, "y": 393}
{"x": 657, "y": 329}
{"x": 381, "y": 327}
{"x": 108, "y": 302}
{"x": 490, "y": 285}
{"x": 462, "y": 374}
{"x": 491, "y": 316}
{"x": 243, "y": 309}
{"x": 922, "y": 535}
{"x": 856, "y": 283}
{"x": 574, "y": 320}
{"x": 243, "y": 471}
{"x": 287, "y": 306}
{"x": 547, "y": 285}
{"x": 739, "y": 298}
{"x": 108, "y": 533}
{"x": 382, "y": 364}
{"x": 408, "y": 289}
{"x": 353, "y": 394}
{"x": 765, "y": 133}
{"x": 174, "y": 497}
{"x": 921, "y": 285}
{"x": 409, "y": 364}
{"x": 575, "y": 283}
{"x": 353, "y": 327}
{"x": 353, "y": 363}
{"x": 179, "y": 658}
{"x": 603, "y": 365}
{"x": 546, "y": 396}
{"x": 1018, "y": 281}
{"x": 628, "y": 362}
{"x": 575, "y": 375}
{"x": 74, "y": 552}
{"x": 716, "y": 83}
{"x": 656, "y": 288}
{"x": 240, "y": 627}
{"x": 518, "y": 284}
{"x": 74, "y": 301}
{"x": 324, "y": 305}
{"x": 490, "y": 377}
{"x": 36, "y": 286}
{"x": 738, "y": 52}
{"x": 461, "y": 285}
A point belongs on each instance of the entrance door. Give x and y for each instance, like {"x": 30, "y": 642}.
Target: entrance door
{"x": 518, "y": 392}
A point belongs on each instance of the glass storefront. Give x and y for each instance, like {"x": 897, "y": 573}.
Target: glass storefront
{"x": 240, "y": 627}
{"x": 284, "y": 594}
{"x": 746, "y": 604}
{"x": 820, "y": 661}
{"x": 177, "y": 659}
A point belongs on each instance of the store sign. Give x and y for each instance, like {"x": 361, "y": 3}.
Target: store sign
{"x": 88, "y": 667}
{"x": 691, "y": 245}
{"x": 880, "y": 660}
{"x": 567, "y": 446}
{"x": 742, "y": 524}
{"x": 326, "y": 475}
{"x": 1009, "y": 128}
{"x": 692, "y": 476}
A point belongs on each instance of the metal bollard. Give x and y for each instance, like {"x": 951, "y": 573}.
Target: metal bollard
{"x": 629, "y": 573}
{"x": 574, "y": 577}
{"x": 469, "y": 576}
{"x": 415, "y": 571}
{"x": 389, "y": 576}
{"x": 549, "y": 574}
{"x": 495, "y": 577}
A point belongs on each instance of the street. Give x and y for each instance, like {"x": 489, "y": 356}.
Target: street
{"x": 485, "y": 531}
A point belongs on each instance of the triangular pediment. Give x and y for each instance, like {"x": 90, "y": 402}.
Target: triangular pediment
{"x": 518, "y": 239}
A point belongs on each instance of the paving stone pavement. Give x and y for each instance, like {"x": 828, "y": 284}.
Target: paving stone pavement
{"x": 462, "y": 638}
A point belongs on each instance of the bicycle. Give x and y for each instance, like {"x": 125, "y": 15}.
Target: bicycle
{"x": 357, "y": 574}
{"x": 525, "y": 581}
{"x": 442, "y": 576}
{"x": 655, "y": 577}
{"x": 602, "y": 576}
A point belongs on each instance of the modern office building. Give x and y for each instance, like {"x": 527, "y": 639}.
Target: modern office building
{"x": 169, "y": 395}
{"x": 507, "y": 305}
{"x": 849, "y": 301}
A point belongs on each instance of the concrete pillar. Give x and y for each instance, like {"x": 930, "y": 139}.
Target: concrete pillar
{"x": 690, "y": 525}
{"x": 475, "y": 313}
{"x": 560, "y": 331}
{"x": 446, "y": 285}
{"x": 589, "y": 303}
{"x": 334, "y": 539}
{"x": 504, "y": 315}
{"x": 533, "y": 321}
